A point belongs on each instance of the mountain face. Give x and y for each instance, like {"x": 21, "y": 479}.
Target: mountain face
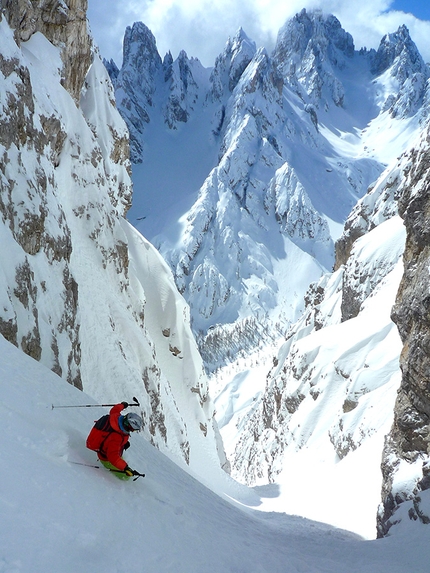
{"x": 140, "y": 58}
{"x": 81, "y": 291}
{"x": 274, "y": 179}
{"x": 63, "y": 24}
{"x": 242, "y": 169}
{"x": 309, "y": 50}
{"x": 407, "y": 445}
{"x": 347, "y": 379}
{"x": 339, "y": 361}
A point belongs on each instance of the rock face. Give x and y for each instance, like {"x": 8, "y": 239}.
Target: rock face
{"x": 309, "y": 50}
{"x": 144, "y": 79}
{"x": 319, "y": 374}
{"x": 378, "y": 205}
{"x": 330, "y": 374}
{"x": 408, "y": 444}
{"x": 32, "y": 139}
{"x": 134, "y": 83}
{"x": 65, "y": 25}
{"x": 80, "y": 290}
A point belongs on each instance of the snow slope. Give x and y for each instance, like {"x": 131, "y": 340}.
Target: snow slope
{"x": 323, "y": 406}
{"x": 59, "y": 516}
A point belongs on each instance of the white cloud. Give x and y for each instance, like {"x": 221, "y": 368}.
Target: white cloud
{"x": 202, "y": 27}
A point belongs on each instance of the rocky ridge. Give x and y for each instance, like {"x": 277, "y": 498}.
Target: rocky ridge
{"x": 407, "y": 445}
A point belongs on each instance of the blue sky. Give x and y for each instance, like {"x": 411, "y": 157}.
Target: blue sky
{"x": 202, "y": 27}
{"x": 420, "y": 8}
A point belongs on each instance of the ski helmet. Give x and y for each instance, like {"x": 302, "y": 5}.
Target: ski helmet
{"x": 132, "y": 422}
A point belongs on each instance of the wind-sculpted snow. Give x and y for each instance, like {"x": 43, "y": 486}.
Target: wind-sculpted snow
{"x": 340, "y": 362}
{"x": 297, "y": 216}
{"x": 378, "y": 205}
{"x": 363, "y": 271}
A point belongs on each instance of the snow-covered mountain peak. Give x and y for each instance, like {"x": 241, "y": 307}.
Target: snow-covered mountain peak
{"x": 280, "y": 147}
{"x": 181, "y": 88}
{"x": 140, "y": 49}
{"x": 231, "y": 63}
{"x": 135, "y": 84}
{"x": 260, "y": 75}
{"x": 310, "y": 48}
{"x": 241, "y": 41}
{"x": 403, "y": 74}
{"x": 398, "y": 48}
{"x": 313, "y": 31}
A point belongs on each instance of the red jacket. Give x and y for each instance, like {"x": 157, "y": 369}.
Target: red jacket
{"x": 109, "y": 443}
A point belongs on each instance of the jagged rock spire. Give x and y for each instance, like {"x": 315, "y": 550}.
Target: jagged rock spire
{"x": 312, "y": 33}
{"x": 309, "y": 48}
{"x": 230, "y": 65}
{"x": 140, "y": 49}
{"x": 398, "y": 46}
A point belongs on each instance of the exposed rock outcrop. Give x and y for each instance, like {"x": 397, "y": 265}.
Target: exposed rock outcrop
{"x": 408, "y": 444}
{"x": 377, "y": 206}
{"x": 64, "y": 24}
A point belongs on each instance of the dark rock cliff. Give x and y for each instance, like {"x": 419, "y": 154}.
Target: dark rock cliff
{"x": 409, "y": 440}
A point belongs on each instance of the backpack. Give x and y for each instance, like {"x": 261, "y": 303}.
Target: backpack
{"x": 99, "y": 433}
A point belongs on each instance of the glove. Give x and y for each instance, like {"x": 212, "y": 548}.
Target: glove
{"x": 127, "y": 445}
{"x": 129, "y": 472}
{"x": 125, "y": 404}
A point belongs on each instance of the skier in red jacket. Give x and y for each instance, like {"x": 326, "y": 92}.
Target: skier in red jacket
{"x": 109, "y": 437}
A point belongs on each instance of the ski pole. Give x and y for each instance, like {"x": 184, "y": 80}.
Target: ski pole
{"x": 87, "y": 465}
{"x": 136, "y": 403}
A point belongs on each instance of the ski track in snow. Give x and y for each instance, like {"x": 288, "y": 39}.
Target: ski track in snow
{"x": 65, "y": 517}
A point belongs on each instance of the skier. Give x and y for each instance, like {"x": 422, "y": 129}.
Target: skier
{"x": 109, "y": 437}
